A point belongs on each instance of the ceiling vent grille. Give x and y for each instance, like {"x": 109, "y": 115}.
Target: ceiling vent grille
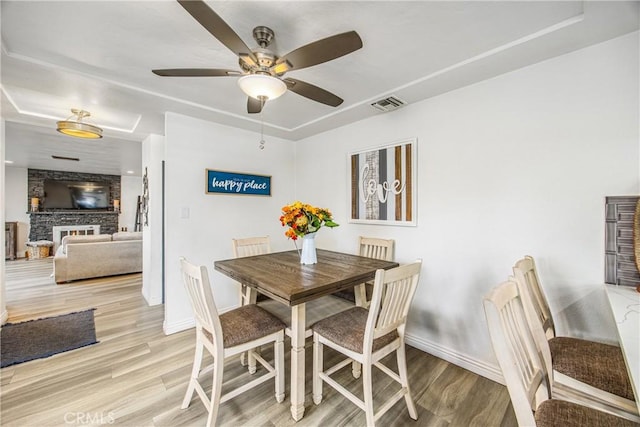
{"x": 75, "y": 159}
{"x": 388, "y": 104}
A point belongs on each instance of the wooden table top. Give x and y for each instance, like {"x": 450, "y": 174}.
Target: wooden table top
{"x": 280, "y": 275}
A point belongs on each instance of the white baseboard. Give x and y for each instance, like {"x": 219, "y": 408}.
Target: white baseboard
{"x": 4, "y": 317}
{"x": 180, "y": 326}
{"x": 476, "y": 366}
{"x": 152, "y": 301}
{"x": 185, "y": 324}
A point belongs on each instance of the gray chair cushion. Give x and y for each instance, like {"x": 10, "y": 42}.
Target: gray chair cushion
{"x": 247, "y": 323}
{"x": 560, "y": 413}
{"x": 347, "y": 330}
{"x": 599, "y": 365}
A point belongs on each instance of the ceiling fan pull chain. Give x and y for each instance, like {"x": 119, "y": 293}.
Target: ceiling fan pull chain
{"x": 262, "y": 141}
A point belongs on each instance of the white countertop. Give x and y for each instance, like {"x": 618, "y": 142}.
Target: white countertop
{"x": 625, "y": 306}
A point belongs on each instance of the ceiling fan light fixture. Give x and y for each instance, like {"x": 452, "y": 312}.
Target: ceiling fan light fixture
{"x": 261, "y": 86}
{"x": 77, "y": 128}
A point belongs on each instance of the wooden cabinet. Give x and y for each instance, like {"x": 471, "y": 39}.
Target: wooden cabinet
{"x": 620, "y": 266}
{"x": 10, "y": 239}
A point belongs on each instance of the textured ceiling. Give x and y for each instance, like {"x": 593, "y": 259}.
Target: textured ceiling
{"x": 99, "y": 56}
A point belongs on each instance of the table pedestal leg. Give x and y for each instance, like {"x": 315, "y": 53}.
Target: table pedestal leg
{"x": 298, "y": 325}
{"x": 360, "y": 294}
{"x": 251, "y": 295}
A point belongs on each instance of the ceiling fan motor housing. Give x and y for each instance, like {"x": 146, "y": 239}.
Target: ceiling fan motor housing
{"x": 265, "y": 58}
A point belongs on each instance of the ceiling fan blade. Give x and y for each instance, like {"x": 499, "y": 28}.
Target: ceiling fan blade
{"x": 312, "y": 92}
{"x": 195, "y": 72}
{"x": 216, "y": 26}
{"x": 253, "y": 105}
{"x": 321, "y": 51}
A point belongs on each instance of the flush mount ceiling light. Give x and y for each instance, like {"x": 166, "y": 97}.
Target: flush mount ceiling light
{"x": 261, "y": 86}
{"x": 77, "y": 128}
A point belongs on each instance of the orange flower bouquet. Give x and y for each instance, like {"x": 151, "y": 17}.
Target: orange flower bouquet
{"x": 303, "y": 219}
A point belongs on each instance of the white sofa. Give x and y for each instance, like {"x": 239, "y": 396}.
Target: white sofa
{"x": 84, "y": 257}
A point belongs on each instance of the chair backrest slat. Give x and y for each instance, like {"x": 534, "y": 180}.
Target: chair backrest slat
{"x": 516, "y": 350}
{"x": 372, "y": 247}
{"x": 251, "y": 246}
{"x": 196, "y": 282}
{"x": 393, "y": 291}
{"x": 526, "y": 276}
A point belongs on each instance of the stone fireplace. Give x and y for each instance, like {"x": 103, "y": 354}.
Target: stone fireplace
{"x": 43, "y": 222}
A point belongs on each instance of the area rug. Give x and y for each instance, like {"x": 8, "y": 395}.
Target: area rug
{"x": 37, "y": 339}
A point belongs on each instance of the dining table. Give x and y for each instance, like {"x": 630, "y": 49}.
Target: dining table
{"x": 281, "y": 277}
{"x": 625, "y": 307}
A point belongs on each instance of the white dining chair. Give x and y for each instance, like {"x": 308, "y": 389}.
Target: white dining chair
{"x": 244, "y": 247}
{"x": 223, "y": 336}
{"x": 370, "y": 247}
{"x": 588, "y": 372}
{"x": 249, "y": 246}
{"x": 524, "y": 370}
{"x": 526, "y": 274}
{"x": 367, "y": 336}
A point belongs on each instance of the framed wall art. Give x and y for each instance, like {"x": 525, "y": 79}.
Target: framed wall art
{"x": 223, "y": 182}
{"x": 384, "y": 184}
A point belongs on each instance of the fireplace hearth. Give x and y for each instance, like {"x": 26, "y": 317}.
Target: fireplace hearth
{"x": 43, "y": 223}
{"x": 59, "y": 231}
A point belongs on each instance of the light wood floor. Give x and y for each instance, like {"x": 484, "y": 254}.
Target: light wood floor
{"x": 137, "y": 376}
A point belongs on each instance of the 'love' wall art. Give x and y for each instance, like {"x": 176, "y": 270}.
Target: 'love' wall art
{"x": 383, "y": 184}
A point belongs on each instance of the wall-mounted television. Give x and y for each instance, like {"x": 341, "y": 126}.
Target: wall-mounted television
{"x": 75, "y": 195}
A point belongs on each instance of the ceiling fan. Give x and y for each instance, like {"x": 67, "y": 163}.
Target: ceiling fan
{"x": 262, "y": 70}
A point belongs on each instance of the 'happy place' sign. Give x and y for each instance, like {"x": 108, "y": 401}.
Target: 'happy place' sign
{"x": 238, "y": 183}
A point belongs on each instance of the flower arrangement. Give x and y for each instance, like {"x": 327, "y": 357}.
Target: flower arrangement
{"x": 303, "y": 219}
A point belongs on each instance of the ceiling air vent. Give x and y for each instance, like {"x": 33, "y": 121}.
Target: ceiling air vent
{"x": 75, "y": 159}
{"x": 388, "y": 104}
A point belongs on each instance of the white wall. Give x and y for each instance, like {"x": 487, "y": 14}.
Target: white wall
{"x": 152, "y": 282}
{"x": 130, "y": 189}
{"x": 519, "y": 164}
{"x": 16, "y": 204}
{"x": 200, "y": 226}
